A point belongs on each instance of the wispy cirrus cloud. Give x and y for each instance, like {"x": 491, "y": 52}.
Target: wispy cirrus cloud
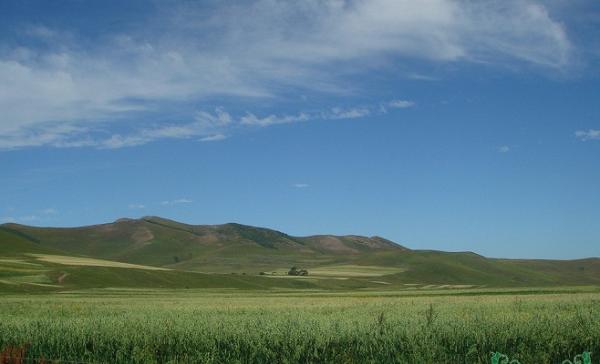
{"x": 503, "y": 149}
{"x": 198, "y": 52}
{"x": 251, "y": 119}
{"x": 585, "y": 135}
{"x": 340, "y": 113}
{"x": 401, "y": 104}
{"x": 335, "y": 113}
{"x": 301, "y": 185}
{"x": 178, "y": 201}
{"x": 213, "y": 138}
{"x": 207, "y": 127}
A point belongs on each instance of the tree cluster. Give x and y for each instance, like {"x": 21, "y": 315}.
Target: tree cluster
{"x": 294, "y": 271}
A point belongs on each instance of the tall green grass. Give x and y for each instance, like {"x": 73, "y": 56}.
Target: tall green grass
{"x": 198, "y": 327}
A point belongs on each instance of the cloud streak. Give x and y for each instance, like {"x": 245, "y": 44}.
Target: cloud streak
{"x": 337, "y": 113}
{"x": 213, "y": 138}
{"x": 207, "y": 127}
{"x": 401, "y": 104}
{"x": 60, "y": 93}
{"x": 585, "y": 135}
{"x": 178, "y": 201}
{"x": 251, "y": 119}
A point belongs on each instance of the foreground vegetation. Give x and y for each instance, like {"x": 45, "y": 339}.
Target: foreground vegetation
{"x": 533, "y": 326}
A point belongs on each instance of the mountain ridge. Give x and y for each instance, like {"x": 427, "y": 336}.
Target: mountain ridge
{"x": 232, "y": 248}
{"x": 135, "y": 240}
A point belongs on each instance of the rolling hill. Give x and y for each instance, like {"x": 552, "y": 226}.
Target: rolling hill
{"x": 157, "y": 252}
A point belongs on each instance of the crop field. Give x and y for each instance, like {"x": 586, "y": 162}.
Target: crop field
{"x": 229, "y": 326}
{"x": 90, "y": 262}
{"x": 347, "y": 270}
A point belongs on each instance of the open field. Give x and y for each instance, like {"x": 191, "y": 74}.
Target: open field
{"x": 89, "y": 262}
{"x": 348, "y": 270}
{"x": 228, "y": 326}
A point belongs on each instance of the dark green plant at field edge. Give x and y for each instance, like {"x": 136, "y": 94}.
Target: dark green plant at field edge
{"x": 499, "y": 358}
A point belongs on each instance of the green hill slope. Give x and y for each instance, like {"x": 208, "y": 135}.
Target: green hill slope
{"x": 207, "y": 248}
{"x": 27, "y": 265}
{"x": 14, "y": 242}
{"x": 125, "y": 253}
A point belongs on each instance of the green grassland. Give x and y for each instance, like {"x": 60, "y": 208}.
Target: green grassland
{"x": 154, "y": 290}
{"x": 158, "y": 253}
{"x": 303, "y": 326}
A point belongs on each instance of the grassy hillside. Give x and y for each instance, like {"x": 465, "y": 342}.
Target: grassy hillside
{"x": 28, "y": 265}
{"x": 206, "y": 248}
{"x": 128, "y": 252}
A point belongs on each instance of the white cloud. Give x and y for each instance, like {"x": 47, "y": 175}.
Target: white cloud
{"x": 176, "y": 202}
{"x": 301, "y": 185}
{"x": 207, "y": 120}
{"x": 335, "y": 113}
{"x": 503, "y": 149}
{"x": 418, "y": 76}
{"x": 54, "y": 134}
{"x": 136, "y": 206}
{"x": 401, "y": 104}
{"x": 207, "y": 127}
{"x": 213, "y": 138}
{"x": 198, "y": 52}
{"x": 352, "y": 113}
{"x": 71, "y": 136}
{"x": 251, "y": 119}
{"x": 204, "y": 125}
{"x": 7, "y": 219}
{"x": 591, "y": 134}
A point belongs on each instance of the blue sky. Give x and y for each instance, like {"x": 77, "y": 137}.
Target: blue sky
{"x": 438, "y": 124}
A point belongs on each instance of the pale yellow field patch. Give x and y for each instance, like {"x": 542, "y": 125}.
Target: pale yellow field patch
{"x": 91, "y": 262}
{"x": 349, "y": 270}
{"x": 18, "y": 266}
{"x": 309, "y": 277}
{"x": 455, "y": 286}
{"x": 43, "y": 284}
